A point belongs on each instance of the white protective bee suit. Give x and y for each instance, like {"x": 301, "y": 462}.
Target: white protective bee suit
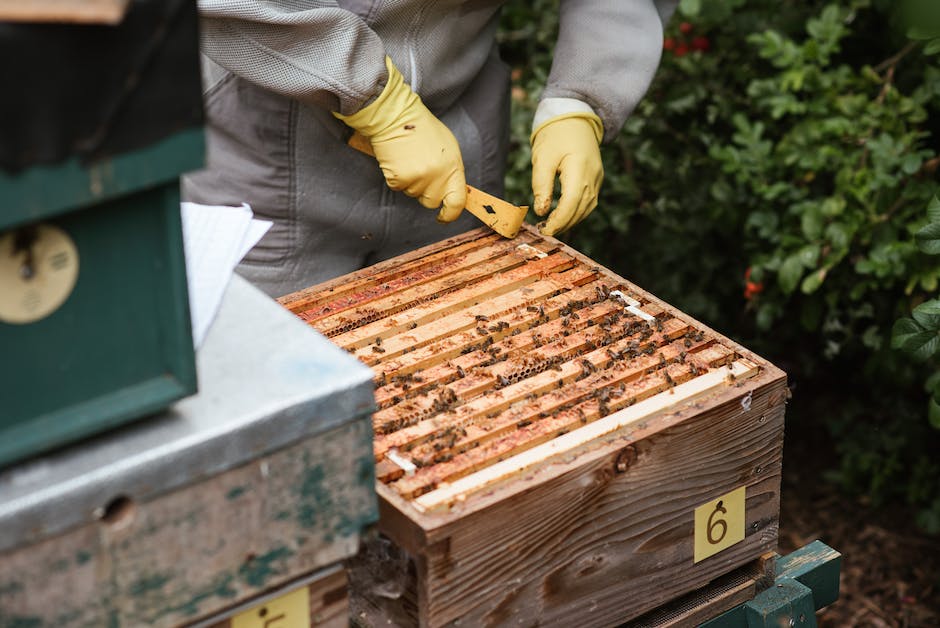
{"x": 276, "y": 70}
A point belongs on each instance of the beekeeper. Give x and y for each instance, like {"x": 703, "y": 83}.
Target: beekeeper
{"x": 287, "y": 81}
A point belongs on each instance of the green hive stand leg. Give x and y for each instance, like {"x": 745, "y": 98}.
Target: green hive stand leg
{"x": 806, "y": 580}
{"x": 787, "y": 603}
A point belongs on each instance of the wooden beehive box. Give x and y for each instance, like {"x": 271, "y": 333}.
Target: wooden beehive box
{"x": 544, "y": 433}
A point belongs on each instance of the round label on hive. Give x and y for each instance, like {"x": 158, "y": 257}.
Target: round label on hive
{"x": 38, "y": 270}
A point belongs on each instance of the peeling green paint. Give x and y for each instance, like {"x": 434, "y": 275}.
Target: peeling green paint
{"x": 151, "y": 529}
{"x": 71, "y": 618}
{"x": 82, "y": 557}
{"x": 236, "y": 492}
{"x": 315, "y": 498}
{"x": 60, "y": 565}
{"x": 11, "y": 587}
{"x": 347, "y": 526}
{"x": 148, "y": 584}
{"x": 365, "y": 471}
{"x": 320, "y": 507}
{"x": 221, "y": 587}
{"x": 193, "y": 517}
{"x": 256, "y": 571}
{"x": 20, "y": 621}
{"x": 282, "y": 515}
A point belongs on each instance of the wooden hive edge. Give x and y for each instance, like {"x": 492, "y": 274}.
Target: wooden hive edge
{"x": 295, "y": 300}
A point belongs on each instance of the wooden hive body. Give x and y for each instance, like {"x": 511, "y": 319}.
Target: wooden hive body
{"x": 544, "y": 433}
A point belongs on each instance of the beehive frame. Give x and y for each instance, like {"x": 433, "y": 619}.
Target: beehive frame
{"x": 504, "y": 366}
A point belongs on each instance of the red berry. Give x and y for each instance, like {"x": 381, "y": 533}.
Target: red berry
{"x": 682, "y": 50}
{"x": 751, "y": 288}
{"x": 685, "y": 28}
{"x": 701, "y": 43}
{"x": 669, "y": 43}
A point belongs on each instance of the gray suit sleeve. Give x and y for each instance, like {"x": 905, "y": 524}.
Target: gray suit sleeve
{"x": 312, "y": 51}
{"x": 606, "y": 55}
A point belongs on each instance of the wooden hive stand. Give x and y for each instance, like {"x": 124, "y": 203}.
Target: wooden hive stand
{"x": 553, "y": 444}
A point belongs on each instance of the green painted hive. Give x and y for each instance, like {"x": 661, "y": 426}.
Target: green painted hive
{"x": 100, "y": 333}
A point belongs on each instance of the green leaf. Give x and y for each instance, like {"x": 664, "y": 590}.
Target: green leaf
{"x": 928, "y": 238}
{"x": 903, "y": 330}
{"x": 932, "y": 47}
{"x": 910, "y": 163}
{"x": 809, "y": 255}
{"x": 721, "y": 191}
{"x": 911, "y": 338}
{"x": 690, "y": 8}
{"x": 920, "y": 33}
{"x": 923, "y": 346}
{"x": 932, "y": 385}
{"x": 812, "y": 281}
{"x": 791, "y": 271}
{"x": 811, "y": 222}
{"x": 927, "y": 315}
{"x": 833, "y": 206}
{"x": 933, "y": 413}
{"x": 764, "y": 222}
{"x": 838, "y": 234}
{"x": 933, "y": 209}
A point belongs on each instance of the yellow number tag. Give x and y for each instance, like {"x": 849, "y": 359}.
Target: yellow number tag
{"x": 291, "y": 610}
{"x": 719, "y": 524}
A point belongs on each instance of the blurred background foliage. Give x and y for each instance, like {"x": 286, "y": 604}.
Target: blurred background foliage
{"x": 772, "y": 184}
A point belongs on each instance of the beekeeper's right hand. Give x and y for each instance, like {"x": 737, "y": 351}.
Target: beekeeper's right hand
{"x": 417, "y": 153}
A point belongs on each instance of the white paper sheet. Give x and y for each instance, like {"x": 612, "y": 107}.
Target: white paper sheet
{"x": 215, "y": 239}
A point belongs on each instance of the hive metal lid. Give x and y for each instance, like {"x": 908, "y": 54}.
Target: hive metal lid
{"x": 265, "y": 381}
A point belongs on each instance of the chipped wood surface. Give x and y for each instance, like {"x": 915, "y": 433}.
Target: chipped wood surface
{"x": 197, "y": 551}
{"x": 544, "y": 432}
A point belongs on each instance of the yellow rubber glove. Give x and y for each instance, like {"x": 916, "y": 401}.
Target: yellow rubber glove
{"x": 417, "y": 153}
{"x": 569, "y": 146}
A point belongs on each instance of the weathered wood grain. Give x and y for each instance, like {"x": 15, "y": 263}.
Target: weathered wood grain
{"x": 591, "y": 546}
{"x": 199, "y": 550}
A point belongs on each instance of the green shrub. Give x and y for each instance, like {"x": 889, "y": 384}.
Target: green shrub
{"x": 792, "y": 142}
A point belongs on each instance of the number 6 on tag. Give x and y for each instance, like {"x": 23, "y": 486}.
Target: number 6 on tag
{"x": 719, "y": 524}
